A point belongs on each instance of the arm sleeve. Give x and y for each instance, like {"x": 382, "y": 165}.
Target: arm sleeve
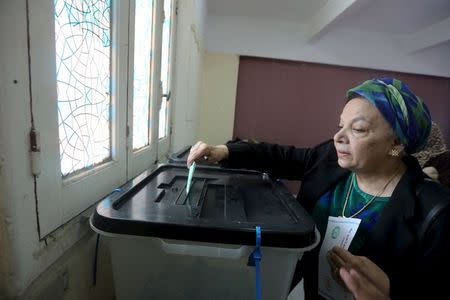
{"x": 426, "y": 278}
{"x": 436, "y": 256}
{"x": 284, "y": 162}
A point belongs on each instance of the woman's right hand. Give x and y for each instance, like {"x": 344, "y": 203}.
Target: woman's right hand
{"x": 201, "y": 152}
{"x": 363, "y": 278}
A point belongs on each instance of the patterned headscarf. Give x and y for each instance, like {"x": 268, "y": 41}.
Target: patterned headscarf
{"x": 435, "y": 145}
{"x": 404, "y": 111}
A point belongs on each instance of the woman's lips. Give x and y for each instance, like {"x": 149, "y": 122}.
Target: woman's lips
{"x": 342, "y": 153}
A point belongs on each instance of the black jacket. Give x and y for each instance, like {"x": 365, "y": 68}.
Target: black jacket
{"x": 417, "y": 261}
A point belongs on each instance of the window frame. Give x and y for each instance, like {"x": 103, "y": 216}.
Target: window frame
{"x": 61, "y": 199}
{"x": 164, "y": 143}
{"x": 145, "y": 157}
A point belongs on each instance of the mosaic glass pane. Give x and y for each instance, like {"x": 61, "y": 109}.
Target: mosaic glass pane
{"x": 165, "y": 67}
{"x": 142, "y": 70}
{"x": 83, "y": 51}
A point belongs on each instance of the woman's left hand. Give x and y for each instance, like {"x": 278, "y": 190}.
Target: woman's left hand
{"x": 362, "y": 277}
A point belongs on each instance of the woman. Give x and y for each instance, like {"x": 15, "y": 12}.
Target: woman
{"x": 367, "y": 178}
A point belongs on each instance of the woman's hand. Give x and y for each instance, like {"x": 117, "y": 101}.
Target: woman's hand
{"x": 362, "y": 277}
{"x": 431, "y": 172}
{"x": 202, "y": 151}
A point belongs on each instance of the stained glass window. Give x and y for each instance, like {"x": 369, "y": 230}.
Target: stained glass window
{"x": 142, "y": 70}
{"x": 165, "y": 68}
{"x": 83, "y": 51}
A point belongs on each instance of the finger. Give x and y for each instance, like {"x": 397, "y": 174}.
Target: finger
{"x": 364, "y": 266}
{"x": 343, "y": 254}
{"x": 193, "y": 148}
{"x": 192, "y": 153}
{"x": 356, "y": 283}
{"x": 330, "y": 261}
{"x": 351, "y": 280}
{"x": 364, "y": 269}
{"x": 352, "y": 261}
{"x": 373, "y": 273}
{"x": 360, "y": 287}
{"x": 334, "y": 268}
{"x": 201, "y": 149}
{"x": 336, "y": 259}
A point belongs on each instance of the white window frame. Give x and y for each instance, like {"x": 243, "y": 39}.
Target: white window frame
{"x": 60, "y": 199}
{"x": 164, "y": 143}
{"x": 141, "y": 159}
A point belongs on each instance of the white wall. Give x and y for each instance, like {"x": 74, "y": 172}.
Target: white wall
{"x": 339, "y": 46}
{"x": 71, "y": 276}
{"x": 218, "y": 97}
{"x": 19, "y": 214}
{"x": 188, "y": 60}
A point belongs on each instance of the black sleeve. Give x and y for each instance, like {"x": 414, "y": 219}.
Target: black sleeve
{"x": 284, "y": 162}
{"x": 434, "y": 267}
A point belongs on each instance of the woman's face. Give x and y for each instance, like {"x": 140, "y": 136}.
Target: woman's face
{"x": 364, "y": 137}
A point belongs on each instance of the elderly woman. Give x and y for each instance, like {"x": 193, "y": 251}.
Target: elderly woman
{"x": 363, "y": 181}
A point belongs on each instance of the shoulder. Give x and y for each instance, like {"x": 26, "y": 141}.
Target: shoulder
{"x": 434, "y": 203}
{"x": 431, "y": 193}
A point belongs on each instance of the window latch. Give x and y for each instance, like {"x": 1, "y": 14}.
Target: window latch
{"x": 35, "y": 149}
{"x": 167, "y": 96}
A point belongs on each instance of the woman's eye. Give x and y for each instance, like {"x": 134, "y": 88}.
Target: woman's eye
{"x": 359, "y": 130}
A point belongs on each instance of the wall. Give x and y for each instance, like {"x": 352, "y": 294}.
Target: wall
{"x": 71, "y": 276}
{"x": 340, "y": 46}
{"x": 218, "y": 97}
{"x": 299, "y": 103}
{"x": 6, "y": 268}
{"x": 187, "y": 81}
{"x": 19, "y": 213}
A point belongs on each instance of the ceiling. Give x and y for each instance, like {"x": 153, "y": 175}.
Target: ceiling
{"x": 398, "y": 16}
{"x": 415, "y": 20}
{"x": 287, "y": 10}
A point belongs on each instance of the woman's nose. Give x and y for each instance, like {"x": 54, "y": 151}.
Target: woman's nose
{"x": 339, "y": 136}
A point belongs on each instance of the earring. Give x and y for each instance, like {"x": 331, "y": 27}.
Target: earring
{"x": 394, "y": 152}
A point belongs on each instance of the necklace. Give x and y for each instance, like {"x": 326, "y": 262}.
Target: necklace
{"x": 368, "y": 202}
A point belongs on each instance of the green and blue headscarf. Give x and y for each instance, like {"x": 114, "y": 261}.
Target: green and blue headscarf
{"x": 405, "y": 112}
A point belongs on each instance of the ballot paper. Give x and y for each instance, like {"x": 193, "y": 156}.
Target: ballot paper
{"x": 190, "y": 175}
{"x": 340, "y": 232}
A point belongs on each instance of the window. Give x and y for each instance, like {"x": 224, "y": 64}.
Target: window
{"x": 83, "y": 75}
{"x": 142, "y": 71}
{"x": 96, "y": 71}
{"x": 166, "y": 67}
